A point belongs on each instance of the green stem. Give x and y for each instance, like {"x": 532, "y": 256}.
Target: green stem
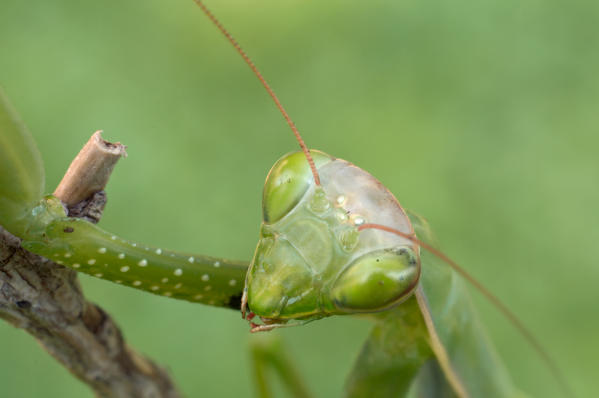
{"x": 83, "y": 246}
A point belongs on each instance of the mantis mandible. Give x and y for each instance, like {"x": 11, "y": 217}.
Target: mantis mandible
{"x": 215, "y": 281}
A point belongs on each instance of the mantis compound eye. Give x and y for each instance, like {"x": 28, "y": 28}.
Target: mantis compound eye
{"x": 376, "y": 281}
{"x": 287, "y": 182}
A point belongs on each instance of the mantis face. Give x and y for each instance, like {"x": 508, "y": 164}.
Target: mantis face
{"x": 311, "y": 260}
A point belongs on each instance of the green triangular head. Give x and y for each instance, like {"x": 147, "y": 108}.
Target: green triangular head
{"x": 312, "y": 260}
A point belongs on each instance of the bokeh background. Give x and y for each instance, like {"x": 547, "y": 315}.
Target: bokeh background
{"x": 480, "y": 115}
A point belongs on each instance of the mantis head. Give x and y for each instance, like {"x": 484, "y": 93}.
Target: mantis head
{"x": 312, "y": 260}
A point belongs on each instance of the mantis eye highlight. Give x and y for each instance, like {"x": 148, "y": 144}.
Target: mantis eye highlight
{"x": 287, "y": 182}
{"x": 376, "y": 281}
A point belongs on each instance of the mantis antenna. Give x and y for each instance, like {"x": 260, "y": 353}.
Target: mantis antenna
{"x": 270, "y": 91}
{"x": 514, "y": 320}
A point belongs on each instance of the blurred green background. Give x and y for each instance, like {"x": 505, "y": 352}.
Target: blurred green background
{"x": 480, "y": 115}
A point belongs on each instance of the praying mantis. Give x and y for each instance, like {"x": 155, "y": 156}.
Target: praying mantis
{"x": 178, "y": 268}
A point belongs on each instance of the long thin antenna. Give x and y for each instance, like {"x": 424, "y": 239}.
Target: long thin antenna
{"x": 251, "y": 64}
{"x": 536, "y": 345}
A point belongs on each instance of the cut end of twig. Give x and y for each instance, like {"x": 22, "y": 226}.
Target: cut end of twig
{"x": 115, "y": 148}
{"x": 90, "y": 170}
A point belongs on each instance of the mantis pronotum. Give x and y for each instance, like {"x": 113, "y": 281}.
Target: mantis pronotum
{"x": 175, "y": 271}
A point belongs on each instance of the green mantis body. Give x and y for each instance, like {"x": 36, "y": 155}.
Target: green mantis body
{"x": 426, "y": 341}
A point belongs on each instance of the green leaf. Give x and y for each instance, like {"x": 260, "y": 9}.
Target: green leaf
{"x": 21, "y": 170}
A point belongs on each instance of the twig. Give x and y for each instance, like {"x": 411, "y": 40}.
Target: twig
{"x": 90, "y": 170}
{"x": 46, "y": 299}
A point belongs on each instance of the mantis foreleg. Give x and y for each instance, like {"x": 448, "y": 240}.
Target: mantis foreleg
{"x": 392, "y": 356}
